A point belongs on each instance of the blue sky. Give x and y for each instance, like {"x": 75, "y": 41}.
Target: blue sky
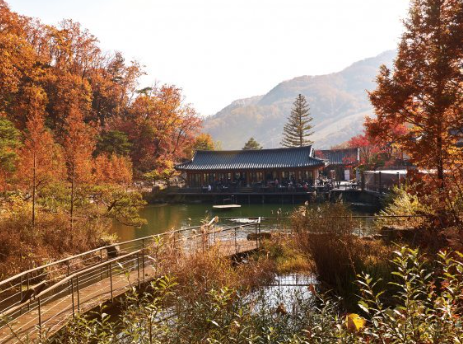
{"x": 218, "y": 51}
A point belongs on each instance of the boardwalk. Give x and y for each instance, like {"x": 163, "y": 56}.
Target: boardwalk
{"x": 82, "y": 289}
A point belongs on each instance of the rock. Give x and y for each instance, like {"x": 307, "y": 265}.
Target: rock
{"x": 113, "y": 251}
{"x": 392, "y": 233}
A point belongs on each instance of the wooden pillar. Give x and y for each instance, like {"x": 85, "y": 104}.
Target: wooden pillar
{"x": 314, "y": 176}
{"x": 362, "y": 180}
{"x": 380, "y": 182}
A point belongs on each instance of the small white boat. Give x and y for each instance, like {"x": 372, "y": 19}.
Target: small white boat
{"x": 246, "y": 220}
{"x": 226, "y": 206}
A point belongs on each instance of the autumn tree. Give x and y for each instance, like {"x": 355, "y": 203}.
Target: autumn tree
{"x": 78, "y": 147}
{"x": 252, "y": 144}
{"x": 161, "y": 128}
{"x": 17, "y": 58}
{"x": 423, "y": 91}
{"x": 113, "y": 169}
{"x": 368, "y": 150}
{"x": 41, "y": 160}
{"x": 203, "y": 141}
{"x": 298, "y": 128}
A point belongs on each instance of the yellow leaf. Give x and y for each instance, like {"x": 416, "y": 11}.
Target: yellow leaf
{"x": 354, "y": 322}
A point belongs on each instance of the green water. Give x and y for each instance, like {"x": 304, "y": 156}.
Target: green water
{"x": 161, "y": 218}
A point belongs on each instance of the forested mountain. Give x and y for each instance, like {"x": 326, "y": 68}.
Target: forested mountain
{"x": 338, "y": 103}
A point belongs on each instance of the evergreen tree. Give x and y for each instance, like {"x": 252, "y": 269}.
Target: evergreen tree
{"x": 9, "y": 141}
{"x": 252, "y": 145}
{"x": 113, "y": 142}
{"x": 297, "y": 129}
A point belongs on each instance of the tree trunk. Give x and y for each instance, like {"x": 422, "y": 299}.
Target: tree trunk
{"x": 34, "y": 187}
{"x": 72, "y": 205}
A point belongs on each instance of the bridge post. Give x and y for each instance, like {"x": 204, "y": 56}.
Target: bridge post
{"x": 40, "y": 314}
{"x": 28, "y": 286}
{"x": 236, "y": 244}
{"x": 138, "y": 268}
{"x": 21, "y": 294}
{"x": 72, "y": 296}
{"x": 102, "y": 268}
{"x": 111, "y": 280}
{"x": 143, "y": 263}
{"x": 78, "y": 294}
{"x": 257, "y": 235}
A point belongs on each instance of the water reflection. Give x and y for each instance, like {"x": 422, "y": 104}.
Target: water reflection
{"x": 161, "y": 218}
{"x": 288, "y": 294}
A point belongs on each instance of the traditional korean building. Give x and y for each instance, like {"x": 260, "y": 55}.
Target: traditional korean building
{"x": 248, "y": 168}
{"x": 339, "y": 162}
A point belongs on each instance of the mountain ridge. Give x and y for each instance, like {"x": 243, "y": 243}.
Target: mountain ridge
{"x": 338, "y": 102}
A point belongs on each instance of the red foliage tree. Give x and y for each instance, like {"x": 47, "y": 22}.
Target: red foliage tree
{"x": 423, "y": 91}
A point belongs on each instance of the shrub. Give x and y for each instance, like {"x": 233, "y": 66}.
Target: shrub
{"x": 428, "y": 301}
{"x": 326, "y": 234}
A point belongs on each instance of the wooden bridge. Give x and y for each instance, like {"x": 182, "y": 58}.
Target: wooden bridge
{"x": 39, "y": 302}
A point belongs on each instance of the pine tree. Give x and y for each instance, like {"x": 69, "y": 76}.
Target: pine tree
{"x": 252, "y": 145}
{"x": 298, "y": 128}
{"x": 9, "y": 141}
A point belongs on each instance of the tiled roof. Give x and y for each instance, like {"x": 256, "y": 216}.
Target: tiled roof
{"x": 339, "y": 156}
{"x": 252, "y": 159}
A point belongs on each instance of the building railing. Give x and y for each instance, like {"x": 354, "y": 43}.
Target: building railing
{"x": 252, "y": 189}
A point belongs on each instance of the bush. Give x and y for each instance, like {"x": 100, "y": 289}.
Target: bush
{"x": 326, "y": 235}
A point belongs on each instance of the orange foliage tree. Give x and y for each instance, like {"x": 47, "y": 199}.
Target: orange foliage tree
{"x": 113, "y": 169}
{"x": 75, "y": 75}
{"x": 40, "y": 159}
{"x": 161, "y": 127}
{"x": 79, "y": 145}
{"x": 423, "y": 91}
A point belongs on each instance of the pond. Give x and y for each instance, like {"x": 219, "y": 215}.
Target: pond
{"x": 161, "y": 218}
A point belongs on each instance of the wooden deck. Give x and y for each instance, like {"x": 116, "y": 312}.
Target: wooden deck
{"x": 104, "y": 281}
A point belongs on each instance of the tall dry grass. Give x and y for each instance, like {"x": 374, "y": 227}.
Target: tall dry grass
{"x": 23, "y": 247}
{"x": 327, "y": 235}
